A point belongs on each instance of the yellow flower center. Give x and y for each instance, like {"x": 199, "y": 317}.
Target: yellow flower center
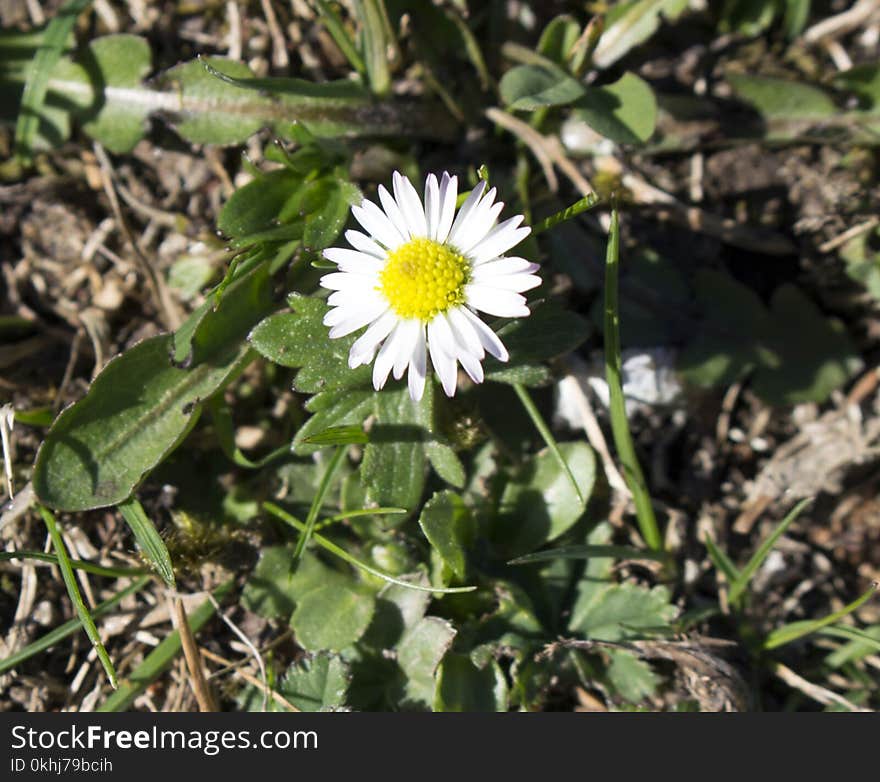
{"x": 423, "y": 278}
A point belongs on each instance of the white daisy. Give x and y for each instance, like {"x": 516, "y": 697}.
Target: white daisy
{"x": 417, "y": 278}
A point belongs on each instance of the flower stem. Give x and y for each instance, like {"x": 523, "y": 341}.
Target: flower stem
{"x": 547, "y": 435}
{"x": 617, "y": 408}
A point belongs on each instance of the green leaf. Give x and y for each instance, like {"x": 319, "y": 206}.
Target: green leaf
{"x": 621, "y": 611}
{"x": 335, "y": 198}
{"x": 864, "y": 81}
{"x": 634, "y": 679}
{"x": 814, "y": 354}
{"x": 774, "y": 97}
{"x": 448, "y": 526}
{"x": 541, "y": 504}
{"x": 463, "y": 687}
{"x": 148, "y": 539}
{"x": 625, "y": 111}
{"x": 550, "y": 331}
{"x": 393, "y": 469}
{"x": 32, "y": 100}
{"x": 533, "y": 87}
{"x": 630, "y": 23}
{"x": 300, "y": 339}
{"x": 419, "y": 654}
{"x": 332, "y": 617}
{"x": 141, "y": 406}
{"x": 558, "y": 40}
{"x": 122, "y": 62}
{"x": 274, "y": 586}
{"x": 316, "y": 683}
{"x": 256, "y": 206}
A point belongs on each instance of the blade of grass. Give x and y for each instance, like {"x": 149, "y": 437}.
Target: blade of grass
{"x": 340, "y": 35}
{"x": 375, "y": 45}
{"x": 79, "y": 606}
{"x": 620, "y": 428}
{"x": 860, "y": 644}
{"x": 587, "y": 552}
{"x": 332, "y": 548}
{"x": 70, "y": 627}
{"x": 547, "y": 436}
{"x": 317, "y": 500}
{"x": 162, "y": 656}
{"x": 148, "y": 539}
{"x": 353, "y": 514}
{"x": 739, "y": 585}
{"x": 76, "y": 564}
{"x": 584, "y": 204}
{"x": 721, "y": 561}
{"x": 47, "y": 56}
{"x": 791, "y": 632}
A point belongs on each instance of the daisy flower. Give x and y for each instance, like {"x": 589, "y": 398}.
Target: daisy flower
{"x": 418, "y": 277}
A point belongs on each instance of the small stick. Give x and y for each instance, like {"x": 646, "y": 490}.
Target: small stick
{"x": 193, "y": 660}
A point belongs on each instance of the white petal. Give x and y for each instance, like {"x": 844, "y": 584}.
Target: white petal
{"x": 353, "y": 319}
{"x": 357, "y": 299}
{"x": 448, "y": 197}
{"x": 365, "y": 346}
{"x": 432, "y": 205}
{"x": 489, "y": 338}
{"x": 410, "y": 204}
{"x": 472, "y": 366}
{"x": 349, "y": 281}
{"x": 363, "y": 243}
{"x": 386, "y": 357}
{"x": 499, "y": 240}
{"x": 503, "y": 304}
{"x": 353, "y": 260}
{"x": 464, "y": 332}
{"x": 470, "y": 203}
{"x": 511, "y": 265}
{"x": 378, "y": 225}
{"x": 512, "y": 282}
{"x": 417, "y": 368}
{"x": 409, "y": 336}
{"x": 444, "y": 363}
{"x": 478, "y": 225}
{"x": 393, "y": 211}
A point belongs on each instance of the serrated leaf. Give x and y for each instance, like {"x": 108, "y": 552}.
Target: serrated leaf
{"x": 273, "y": 587}
{"x": 533, "y": 87}
{"x": 317, "y": 683}
{"x": 300, "y": 339}
{"x": 541, "y": 504}
{"x": 634, "y": 679}
{"x": 141, "y": 406}
{"x": 332, "y": 617}
{"x": 624, "y": 111}
{"x": 621, "y": 611}
{"x": 419, "y": 654}
{"x": 448, "y": 526}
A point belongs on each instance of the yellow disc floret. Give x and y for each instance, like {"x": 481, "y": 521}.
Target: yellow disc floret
{"x": 423, "y": 278}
